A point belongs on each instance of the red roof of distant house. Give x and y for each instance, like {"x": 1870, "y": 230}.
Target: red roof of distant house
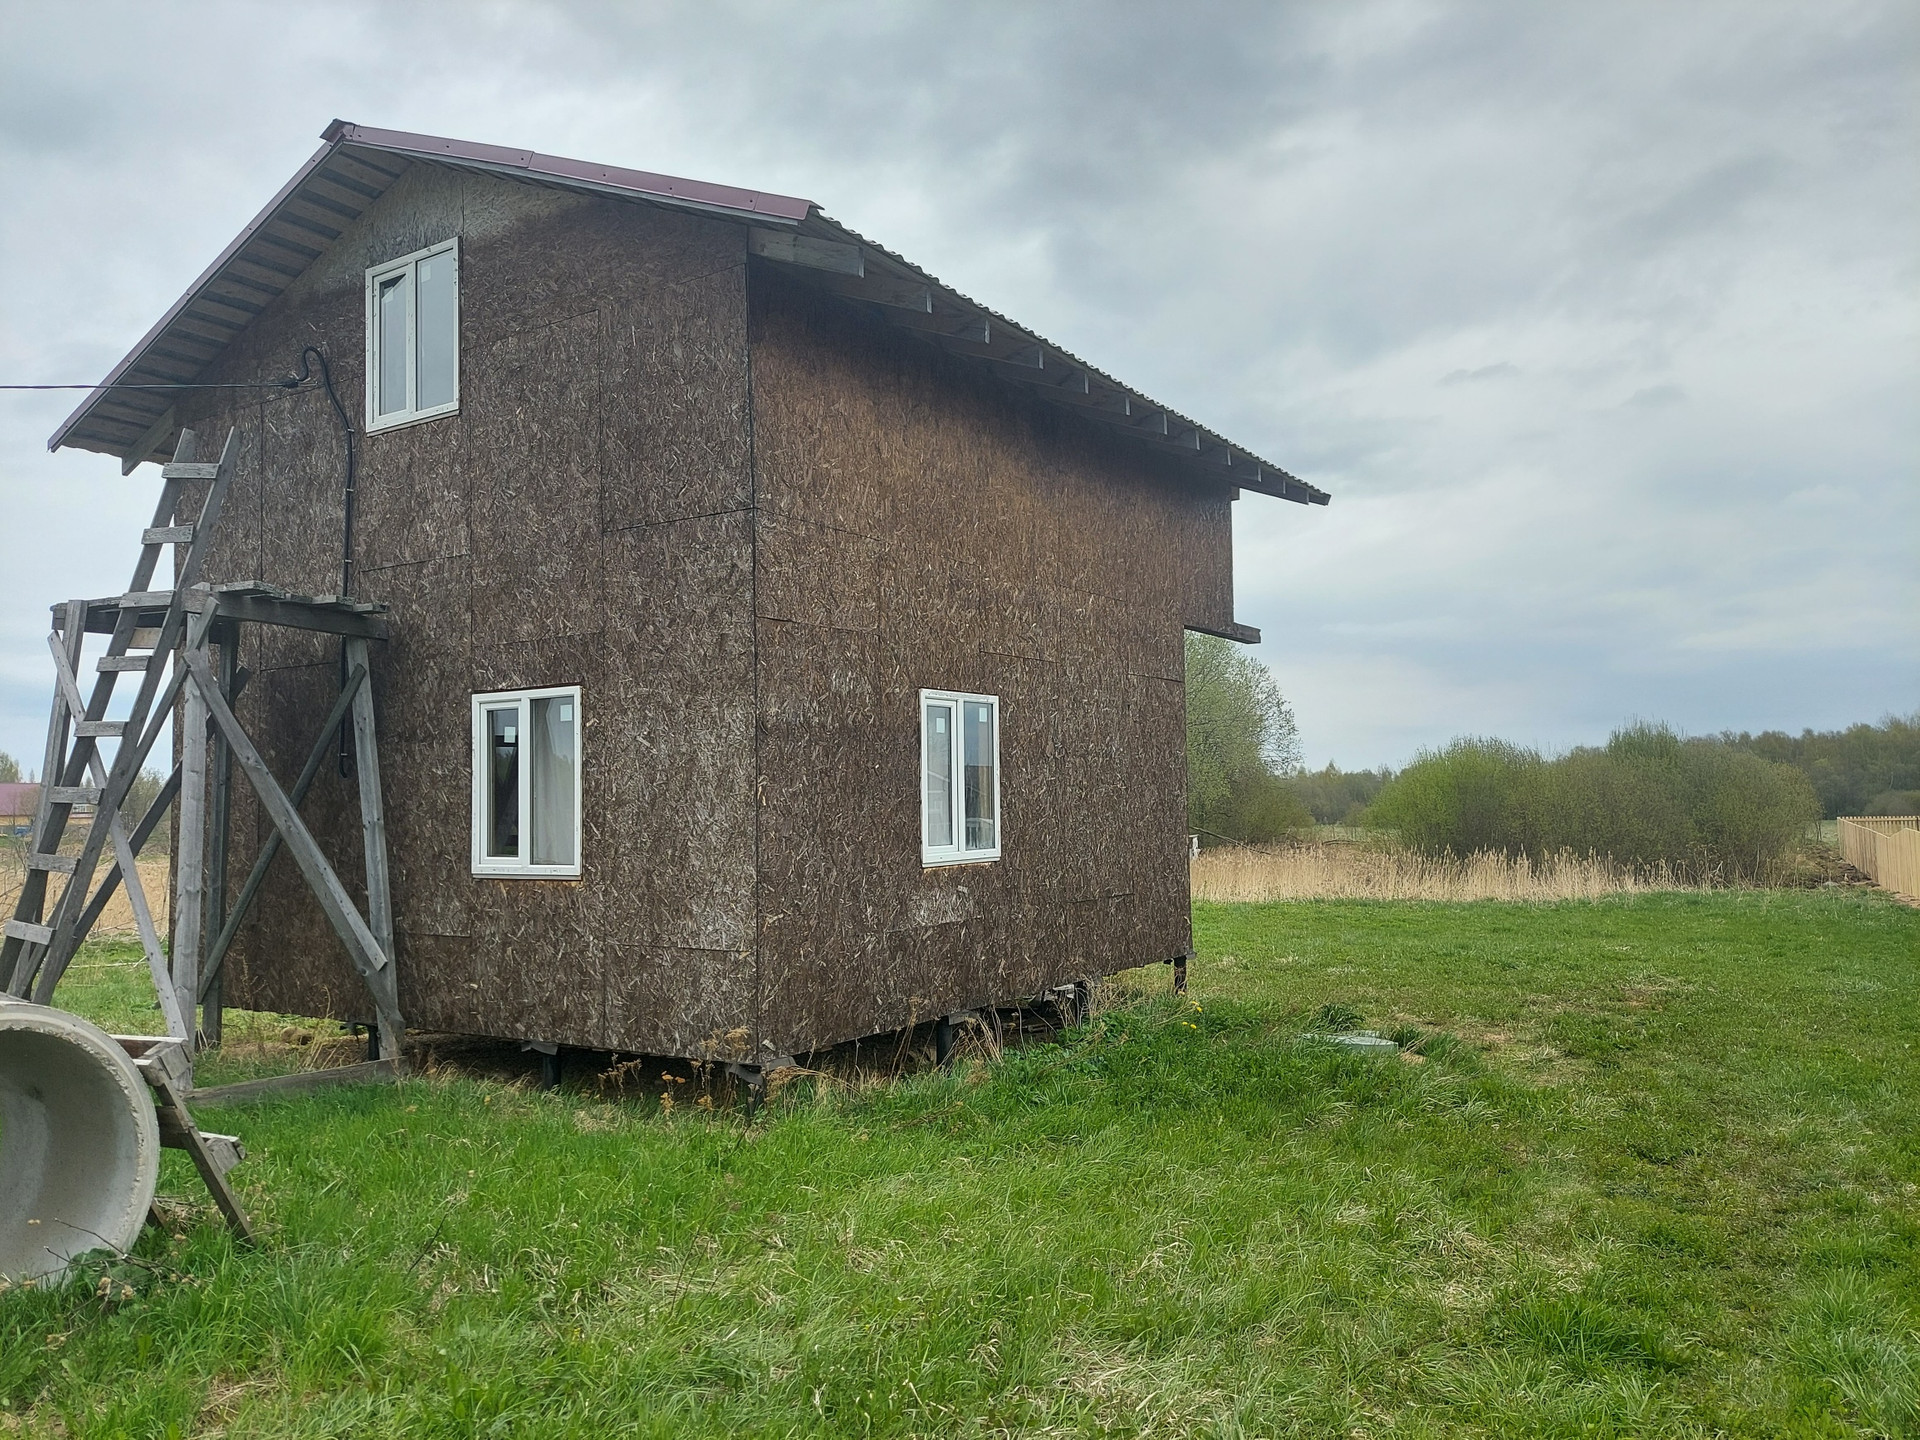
{"x": 19, "y": 797}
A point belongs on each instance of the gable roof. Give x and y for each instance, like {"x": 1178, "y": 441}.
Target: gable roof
{"x": 355, "y": 165}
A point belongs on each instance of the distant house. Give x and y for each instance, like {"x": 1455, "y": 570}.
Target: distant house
{"x": 19, "y": 803}
{"x": 784, "y": 647}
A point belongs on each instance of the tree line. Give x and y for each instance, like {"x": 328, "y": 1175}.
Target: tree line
{"x": 1732, "y": 805}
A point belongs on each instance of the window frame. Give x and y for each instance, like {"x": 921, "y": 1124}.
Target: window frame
{"x": 495, "y": 867}
{"x": 409, "y": 266}
{"x": 957, "y": 853}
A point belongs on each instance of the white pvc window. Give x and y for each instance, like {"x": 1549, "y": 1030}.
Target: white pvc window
{"x": 959, "y": 778}
{"x": 526, "y": 783}
{"x": 413, "y": 337}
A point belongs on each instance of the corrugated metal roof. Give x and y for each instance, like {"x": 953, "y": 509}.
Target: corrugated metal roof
{"x": 357, "y": 163}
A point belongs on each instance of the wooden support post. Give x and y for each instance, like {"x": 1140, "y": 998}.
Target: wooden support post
{"x": 943, "y": 1041}
{"x": 221, "y": 823}
{"x": 190, "y": 857}
{"x": 373, "y": 830}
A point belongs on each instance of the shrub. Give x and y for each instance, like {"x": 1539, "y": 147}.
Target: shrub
{"x": 1649, "y": 797}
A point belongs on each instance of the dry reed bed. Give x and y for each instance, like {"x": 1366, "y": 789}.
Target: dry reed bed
{"x": 117, "y": 918}
{"x": 1356, "y": 872}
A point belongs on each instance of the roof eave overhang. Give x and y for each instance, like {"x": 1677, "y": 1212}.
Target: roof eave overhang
{"x": 353, "y": 167}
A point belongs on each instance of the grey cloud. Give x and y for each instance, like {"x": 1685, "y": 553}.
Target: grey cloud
{"x": 1564, "y": 303}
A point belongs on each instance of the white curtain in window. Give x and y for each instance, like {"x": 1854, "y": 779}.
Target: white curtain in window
{"x": 554, "y": 755}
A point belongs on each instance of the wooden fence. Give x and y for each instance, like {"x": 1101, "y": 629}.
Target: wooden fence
{"x": 1886, "y": 847}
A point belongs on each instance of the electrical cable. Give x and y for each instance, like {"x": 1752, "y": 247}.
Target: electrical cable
{"x": 172, "y": 385}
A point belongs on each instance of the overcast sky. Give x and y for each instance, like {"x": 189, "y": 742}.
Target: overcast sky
{"x": 1601, "y": 322}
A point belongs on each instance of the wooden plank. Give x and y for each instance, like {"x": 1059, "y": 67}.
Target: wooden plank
{"x": 99, "y": 729}
{"x": 142, "y": 449}
{"x": 265, "y": 610}
{"x": 122, "y": 664}
{"x": 75, "y": 794}
{"x": 190, "y": 854}
{"x": 373, "y": 823}
{"x": 212, "y": 1165}
{"x": 59, "y": 864}
{"x": 146, "y": 599}
{"x": 26, "y": 930}
{"x": 190, "y": 470}
{"x": 220, "y": 823}
{"x": 1243, "y": 634}
{"x": 322, "y": 748}
{"x": 167, "y": 535}
{"x": 274, "y": 1087}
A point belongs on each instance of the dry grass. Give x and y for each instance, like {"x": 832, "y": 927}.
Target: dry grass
{"x": 1363, "y": 872}
{"x": 117, "y": 918}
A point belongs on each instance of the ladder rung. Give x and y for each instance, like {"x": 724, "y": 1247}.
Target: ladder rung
{"x": 59, "y": 864}
{"x": 100, "y": 728}
{"x": 145, "y": 599}
{"x": 26, "y": 930}
{"x": 167, "y": 535}
{"x": 190, "y": 470}
{"x": 73, "y": 794}
{"x": 109, "y": 663}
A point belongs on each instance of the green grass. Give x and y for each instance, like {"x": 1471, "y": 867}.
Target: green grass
{"x": 1654, "y": 1173}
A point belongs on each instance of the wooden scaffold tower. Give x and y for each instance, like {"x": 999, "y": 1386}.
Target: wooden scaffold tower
{"x": 182, "y": 645}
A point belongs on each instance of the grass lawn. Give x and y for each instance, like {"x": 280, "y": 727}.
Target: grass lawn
{"x": 1649, "y": 1166}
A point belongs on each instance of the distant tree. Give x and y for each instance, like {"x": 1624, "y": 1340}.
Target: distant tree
{"x": 1703, "y": 807}
{"x": 9, "y": 769}
{"x": 142, "y": 793}
{"x": 1861, "y": 770}
{"x": 1241, "y": 741}
{"x": 1335, "y": 796}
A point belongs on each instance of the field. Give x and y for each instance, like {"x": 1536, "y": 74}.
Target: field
{"x": 1645, "y": 1165}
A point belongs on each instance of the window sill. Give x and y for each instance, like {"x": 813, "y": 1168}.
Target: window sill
{"x": 408, "y": 422}
{"x": 945, "y": 863}
{"x": 554, "y": 874}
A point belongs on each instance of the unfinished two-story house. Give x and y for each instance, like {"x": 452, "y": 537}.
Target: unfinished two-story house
{"x": 782, "y": 647}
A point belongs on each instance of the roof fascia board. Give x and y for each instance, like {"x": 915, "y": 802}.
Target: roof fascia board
{"x": 611, "y": 179}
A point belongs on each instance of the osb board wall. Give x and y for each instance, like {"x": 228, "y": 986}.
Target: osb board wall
{"x": 582, "y": 520}
{"x": 921, "y": 526}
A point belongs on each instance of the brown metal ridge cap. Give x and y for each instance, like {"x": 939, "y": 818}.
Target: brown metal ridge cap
{"x": 611, "y": 177}
{"x": 1278, "y": 483}
{"x": 207, "y": 277}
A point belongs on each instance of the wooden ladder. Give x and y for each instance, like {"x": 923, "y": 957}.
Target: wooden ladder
{"x": 41, "y": 938}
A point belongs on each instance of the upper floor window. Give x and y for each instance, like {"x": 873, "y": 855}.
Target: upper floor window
{"x": 413, "y": 337}
{"x": 526, "y": 783}
{"x": 959, "y": 777}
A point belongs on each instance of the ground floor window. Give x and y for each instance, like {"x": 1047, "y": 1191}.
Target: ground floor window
{"x": 526, "y": 782}
{"x": 959, "y": 777}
